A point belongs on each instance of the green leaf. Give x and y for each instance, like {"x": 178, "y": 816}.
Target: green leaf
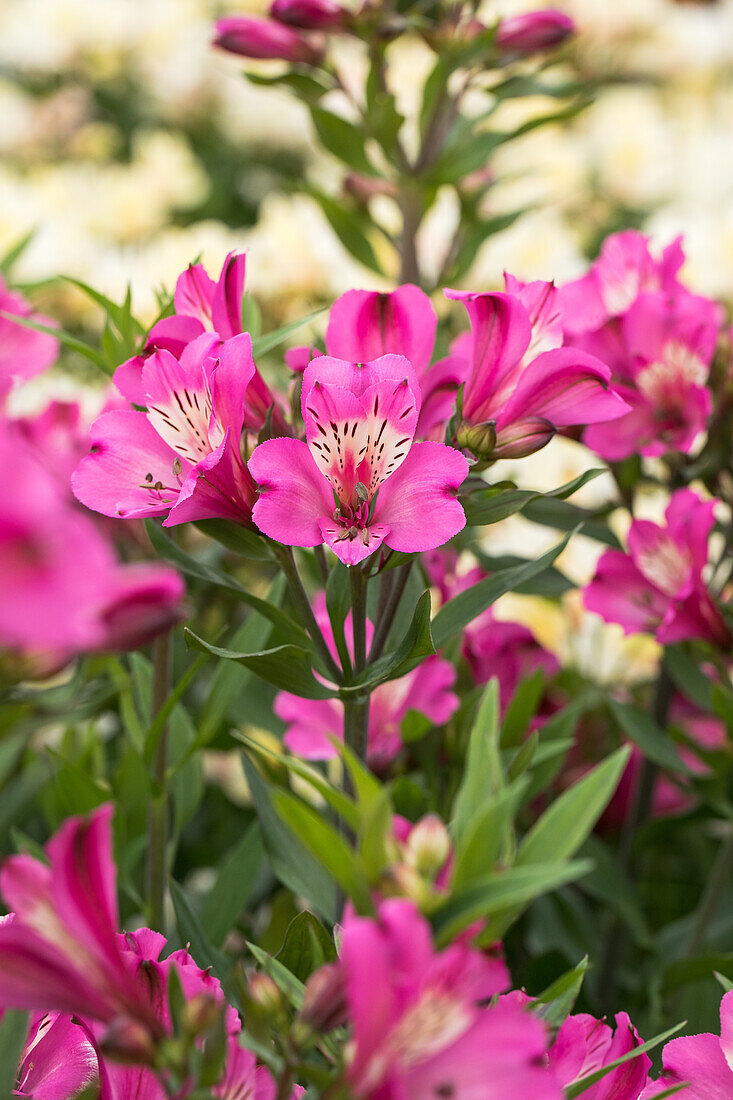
{"x": 522, "y": 708}
{"x": 565, "y": 516}
{"x": 306, "y": 947}
{"x": 502, "y": 890}
{"x": 581, "y": 1086}
{"x": 338, "y": 605}
{"x": 329, "y": 849}
{"x": 641, "y": 728}
{"x": 191, "y": 933}
{"x": 291, "y": 861}
{"x": 464, "y": 608}
{"x": 346, "y": 225}
{"x": 343, "y": 139}
{"x": 558, "y": 999}
{"x": 480, "y": 843}
{"x": 496, "y": 502}
{"x": 482, "y": 775}
{"x": 14, "y": 253}
{"x": 65, "y": 338}
{"x": 235, "y": 882}
{"x": 13, "y": 1033}
{"x": 689, "y": 677}
{"x": 272, "y": 340}
{"x": 170, "y": 551}
{"x": 567, "y": 822}
{"x": 240, "y": 540}
{"x": 288, "y": 667}
{"x": 286, "y": 982}
{"x": 416, "y": 645}
{"x": 305, "y": 87}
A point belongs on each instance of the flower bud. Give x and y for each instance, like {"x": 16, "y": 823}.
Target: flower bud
{"x": 523, "y": 438}
{"x": 200, "y": 1014}
{"x": 263, "y": 38}
{"x": 364, "y": 188}
{"x": 126, "y": 1040}
{"x": 479, "y": 439}
{"x": 324, "y": 1003}
{"x": 428, "y": 846}
{"x": 533, "y": 31}
{"x": 264, "y": 993}
{"x": 309, "y": 15}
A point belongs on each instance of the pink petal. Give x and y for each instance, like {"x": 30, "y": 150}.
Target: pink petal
{"x": 294, "y": 495}
{"x": 353, "y": 550}
{"x": 365, "y": 324}
{"x": 620, "y": 594}
{"x": 699, "y": 1060}
{"x": 194, "y": 294}
{"x": 226, "y": 308}
{"x": 566, "y": 387}
{"x": 127, "y": 462}
{"x": 426, "y": 484}
{"x": 309, "y": 722}
{"x": 59, "y": 1060}
{"x": 429, "y": 689}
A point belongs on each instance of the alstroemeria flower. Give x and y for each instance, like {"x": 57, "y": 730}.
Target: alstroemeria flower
{"x": 202, "y": 306}
{"x": 365, "y": 324}
{"x": 419, "y": 1026}
{"x": 359, "y": 480}
{"x": 62, "y": 590}
{"x": 658, "y": 586}
{"x": 59, "y": 1059}
{"x": 584, "y": 1044}
{"x": 507, "y": 650}
{"x": 427, "y": 689}
{"x": 182, "y": 457}
{"x": 512, "y": 405}
{"x": 24, "y": 352}
{"x": 704, "y": 1061}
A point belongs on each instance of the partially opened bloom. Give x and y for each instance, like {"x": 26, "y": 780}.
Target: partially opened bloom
{"x": 584, "y": 1045}
{"x": 182, "y": 457}
{"x": 533, "y": 31}
{"x": 249, "y": 36}
{"x": 704, "y": 1061}
{"x": 312, "y": 722}
{"x": 657, "y": 587}
{"x": 359, "y": 480}
{"x": 24, "y": 352}
{"x": 419, "y": 1025}
{"x": 514, "y": 399}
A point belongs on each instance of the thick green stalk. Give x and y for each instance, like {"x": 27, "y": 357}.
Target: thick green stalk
{"x": 157, "y": 870}
{"x": 300, "y": 598}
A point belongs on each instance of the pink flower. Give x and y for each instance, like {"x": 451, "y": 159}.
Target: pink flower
{"x": 62, "y": 590}
{"x": 309, "y": 15}
{"x": 202, "y": 305}
{"x": 584, "y": 1045}
{"x": 506, "y": 650}
{"x": 419, "y": 1027}
{"x": 182, "y": 457}
{"x": 705, "y": 1061}
{"x": 59, "y": 1059}
{"x": 360, "y": 421}
{"x": 514, "y": 401}
{"x": 248, "y": 36}
{"x": 658, "y": 587}
{"x": 366, "y": 324}
{"x": 427, "y": 689}
{"x": 535, "y": 30}
{"x": 23, "y": 351}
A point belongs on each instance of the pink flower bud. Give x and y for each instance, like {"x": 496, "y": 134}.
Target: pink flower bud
{"x": 263, "y": 38}
{"x": 324, "y": 1003}
{"x": 428, "y": 846}
{"x": 309, "y": 15}
{"x": 536, "y": 30}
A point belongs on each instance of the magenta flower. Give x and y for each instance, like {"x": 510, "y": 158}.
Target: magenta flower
{"x": 658, "y": 587}
{"x": 59, "y": 1059}
{"x": 182, "y": 457}
{"x": 310, "y": 722}
{"x": 247, "y": 36}
{"x": 309, "y": 15}
{"x": 419, "y": 1028}
{"x": 359, "y": 480}
{"x": 514, "y": 401}
{"x": 62, "y": 589}
{"x": 584, "y": 1045}
{"x": 506, "y": 650}
{"x": 23, "y": 351}
{"x": 365, "y": 324}
{"x": 704, "y": 1061}
{"x": 533, "y": 31}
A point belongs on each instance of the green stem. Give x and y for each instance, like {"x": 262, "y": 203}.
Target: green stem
{"x": 322, "y": 563}
{"x": 718, "y": 881}
{"x": 158, "y": 810}
{"x": 300, "y": 598}
{"x": 356, "y": 711}
{"x": 384, "y": 624}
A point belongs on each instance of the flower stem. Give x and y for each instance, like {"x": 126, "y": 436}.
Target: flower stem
{"x": 718, "y": 881}
{"x": 385, "y": 621}
{"x": 300, "y": 598}
{"x": 356, "y": 711}
{"x": 158, "y": 810}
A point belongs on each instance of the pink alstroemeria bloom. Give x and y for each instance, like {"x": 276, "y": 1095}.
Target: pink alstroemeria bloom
{"x": 704, "y": 1061}
{"x": 59, "y": 1059}
{"x": 365, "y": 324}
{"x": 203, "y": 306}
{"x": 359, "y": 480}
{"x": 658, "y": 587}
{"x": 520, "y": 403}
{"x": 419, "y": 1028}
{"x": 62, "y": 590}
{"x": 584, "y": 1045}
{"x": 624, "y": 269}
{"x": 182, "y": 457}
{"x": 659, "y": 353}
{"x": 506, "y": 650}
{"x": 311, "y": 722}
{"x": 24, "y": 352}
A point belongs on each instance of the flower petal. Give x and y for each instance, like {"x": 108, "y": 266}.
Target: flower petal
{"x": 294, "y": 495}
{"x": 419, "y": 501}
